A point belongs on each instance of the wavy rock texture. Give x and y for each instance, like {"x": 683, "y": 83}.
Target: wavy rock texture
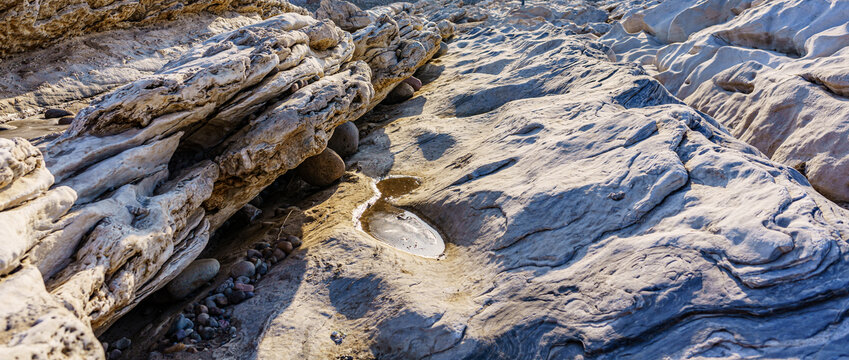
{"x": 588, "y": 213}
{"x": 771, "y": 71}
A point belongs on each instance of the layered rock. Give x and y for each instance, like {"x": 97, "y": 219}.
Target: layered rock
{"x": 128, "y": 196}
{"x": 394, "y": 42}
{"x": 25, "y": 25}
{"x": 768, "y": 70}
{"x": 588, "y": 213}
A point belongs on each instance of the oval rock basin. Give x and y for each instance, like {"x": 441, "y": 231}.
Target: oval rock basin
{"x": 397, "y": 227}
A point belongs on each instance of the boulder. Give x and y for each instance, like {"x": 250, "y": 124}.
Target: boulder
{"x": 322, "y": 169}
{"x": 345, "y": 139}
{"x": 198, "y": 273}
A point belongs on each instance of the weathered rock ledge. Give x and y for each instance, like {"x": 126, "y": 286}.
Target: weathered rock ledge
{"x": 127, "y": 197}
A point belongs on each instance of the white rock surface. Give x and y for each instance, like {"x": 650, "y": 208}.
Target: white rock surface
{"x": 773, "y": 72}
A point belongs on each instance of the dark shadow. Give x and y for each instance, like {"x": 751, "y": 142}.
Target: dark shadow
{"x": 434, "y": 145}
{"x": 353, "y": 297}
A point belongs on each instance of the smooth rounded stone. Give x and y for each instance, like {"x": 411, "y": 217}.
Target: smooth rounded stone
{"x": 56, "y": 113}
{"x": 203, "y": 319}
{"x": 251, "y": 253}
{"x": 443, "y": 49}
{"x": 114, "y": 354}
{"x": 405, "y": 231}
{"x": 67, "y": 120}
{"x": 221, "y": 300}
{"x": 414, "y": 82}
{"x": 267, "y": 253}
{"x": 400, "y": 93}
{"x": 243, "y": 280}
{"x": 181, "y": 323}
{"x": 232, "y": 330}
{"x": 251, "y": 212}
{"x": 296, "y": 241}
{"x": 286, "y": 246}
{"x": 206, "y": 333}
{"x": 323, "y": 169}
{"x": 345, "y": 139}
{"x": 243, "y": 287}
{"x": 182, "y": 334}
{"x": 214, "y": 311}
{"x": 225, "y": 285}
{"x": 202, "y": 309}
{"x": 122, "y": 343}
{"x": 242, "y": 268}
{"x": 279, "y": 254}
{"x": 262, "y": 245}
{"x": 236, "y": 297}
{"x": 262, "y": 268}
{"x": 195, "y": 275}
{"x": 195, "y": 338}
{"x": 249, "y": 294}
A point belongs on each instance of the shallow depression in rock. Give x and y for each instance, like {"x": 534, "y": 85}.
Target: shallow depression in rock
{"x": 398, "y": 227}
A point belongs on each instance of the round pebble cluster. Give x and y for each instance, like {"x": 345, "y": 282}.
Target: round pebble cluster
{"x": 209, "y": 318}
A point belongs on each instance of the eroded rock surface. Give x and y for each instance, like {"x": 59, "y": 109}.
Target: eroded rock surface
{"x": 771, "y": 71}
{"x": 588, "y": 212}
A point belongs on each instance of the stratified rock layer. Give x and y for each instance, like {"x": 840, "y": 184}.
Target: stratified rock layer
{"x": 118, "y": 205}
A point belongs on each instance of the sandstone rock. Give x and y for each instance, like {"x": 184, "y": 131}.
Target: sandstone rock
{"x": 56, "y": 113}
{"x": 322, "y": 169}
{"x": 36, "y": 325}
{"x": 345, "y": 139}
{"x": 346, "y": 15}
{"x": 193, "y": 277}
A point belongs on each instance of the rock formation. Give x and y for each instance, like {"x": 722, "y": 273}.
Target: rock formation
{"x": 586, "y": 210}
{"x": 770, "y": 71}
{"x": 127, "y": 197}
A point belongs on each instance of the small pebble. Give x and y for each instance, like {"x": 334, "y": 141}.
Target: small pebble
{"x": 237, "y": 297}
{"x": 262, "y": 245}
{"x": 267, "y": 253}
{"x": 122, "y": 343}
{"x": 279, "y": 254}
{"x": 202, "y": 309}
{"x": 286, "y": 246}
{"x": 195, "y": 337}
{"x": 251, "y": 253}
{"x": 244, "y": 287}
{"x": 242, "y": 268}
{"x": 206, "y": 333}
{"x": 213, "y": 323}
{"x": 296, "y": 241}
{"x": 114, "y": 354}
{"x": 262, "y": 268}
{"x": 243, "y": 280}
{"x": 249, "y": 294}
{"x": 232, "y": 330}
{"x": 214, "y": 311}
{"x": 225, "y": 285}
{"x": 67, "y": 120}
{"x": 203, "y": 319}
